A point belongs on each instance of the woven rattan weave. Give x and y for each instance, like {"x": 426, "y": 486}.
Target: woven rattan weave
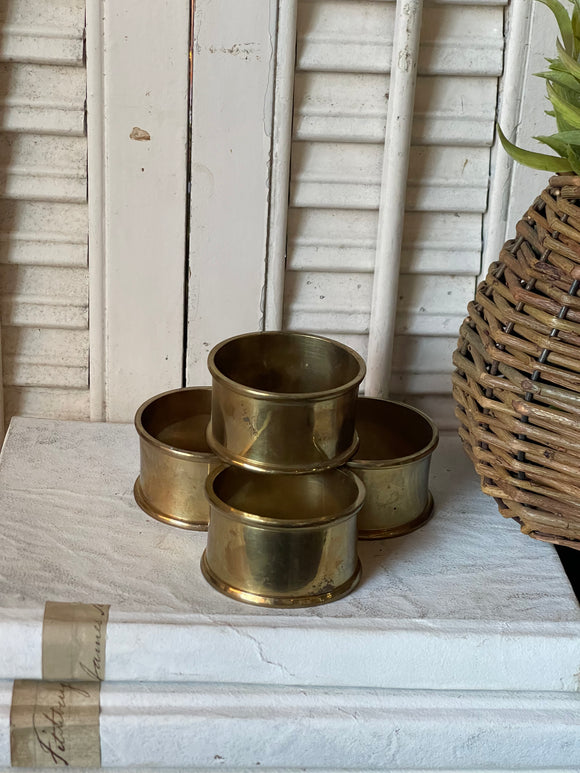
{"x": 517, "y": 383}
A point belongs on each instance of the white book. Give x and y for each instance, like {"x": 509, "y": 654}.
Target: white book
{"x": 465, "y": 603}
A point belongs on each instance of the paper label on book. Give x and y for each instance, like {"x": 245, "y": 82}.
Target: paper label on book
{"x": 73, "y": 641}
{"x": 55, "y": 724}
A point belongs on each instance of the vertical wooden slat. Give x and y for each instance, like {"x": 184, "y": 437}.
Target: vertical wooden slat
{"x": 526, "y": 183}
{"x": 233, "y": 65}
{"x": 392, "y": 202}
{"x": 96, "y": 204}
{"x": 510, "y": 103}
{"x": 146, "y": 69}
{"x": 281, "y": 147}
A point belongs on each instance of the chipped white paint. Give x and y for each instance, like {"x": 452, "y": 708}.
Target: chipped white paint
{"x": 145, "y": 71}
{"x": 233, "y": 75}
{"x": 55, "y": 34}
{"x": 18, "y": 370}
{"x": 43, "y": 276}
{"x": 339, "y": 96}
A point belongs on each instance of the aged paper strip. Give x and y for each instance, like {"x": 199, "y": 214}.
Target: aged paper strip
{"x": 55, "y": 724}
{"x": 74, "y": 640}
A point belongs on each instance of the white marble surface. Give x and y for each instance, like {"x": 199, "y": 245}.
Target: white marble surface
{"x": 217, "y": 726}
{"x": 467, "y": 602}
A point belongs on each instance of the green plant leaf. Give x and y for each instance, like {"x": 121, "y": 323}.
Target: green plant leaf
{"x": 569, "y": 63}
{"x": 568, "y": 138}
{"x": 556, "y": 144}
{"x": 556, "y": 65}
{"x": 574, "y": 159}
{"x": 562, "y": 77}
{"x": 534, "y": 160}
{"x": 576, "y": 25}
{"x": 564, "y": 110}
{"x": 564, "y": 23}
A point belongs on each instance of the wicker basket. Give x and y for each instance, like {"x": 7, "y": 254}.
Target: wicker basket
{"x": 517, "y": 383}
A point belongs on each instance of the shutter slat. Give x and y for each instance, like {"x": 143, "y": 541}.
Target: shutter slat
{"x": 54, "y": 221}
{"x": 42, "y": 251}
{"x": 30, "y": 44}
{"x": 43, "y": 153}
{"x": 46, "y": 346}
{"x": 356, "y": 36}
{"x": 340, "y": 302}
{"x": 23, "y": 311}
{"x": 357, "y": 322}
{"x": 348, "y": 175}
{"x": 53, "y": 282}
{"x": 20, "y": 372}
{"x": 33, "y": 95}
{"x": 64, "y": 15}
{"x": 342, "y": 240}
{"x": 349, "y": 107}
{"x": 338, "y": 291}
{"x": 72, "y": 404}
{"x": 18, "y": 183}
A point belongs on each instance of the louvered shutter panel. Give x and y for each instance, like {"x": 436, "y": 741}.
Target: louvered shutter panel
{"x": 43, "y": 210}
{"x": 341, "y": 88}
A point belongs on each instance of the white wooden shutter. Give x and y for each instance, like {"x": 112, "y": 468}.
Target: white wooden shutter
{"x": 341, "y": 87}
{"x": 43, "y": 210}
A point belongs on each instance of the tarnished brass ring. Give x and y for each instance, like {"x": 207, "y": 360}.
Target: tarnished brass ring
{"x": 393, "y": 459}
{"x": 175, "y": 457}
{"x": 282, "y": 540}
{"x": 402, "y": 529}
{"x": 284, "y": 402}
{"x": 278, "y": 601}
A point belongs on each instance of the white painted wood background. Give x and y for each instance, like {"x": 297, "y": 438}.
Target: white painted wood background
{"x": 321, "y": 247}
